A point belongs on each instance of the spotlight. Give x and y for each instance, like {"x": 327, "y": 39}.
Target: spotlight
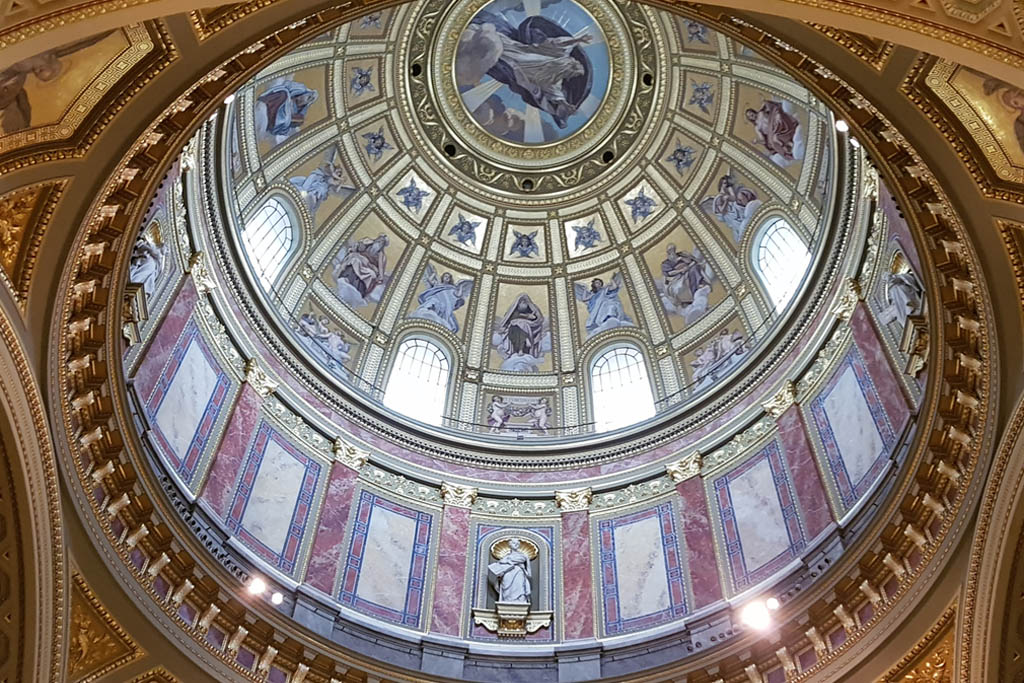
{"x": 277, "y": 598}
{"x": 842, "y": 126}
{"x": 855, "y": 143}
{"x": 772, "y": 604}
{"x": 756, "y": 616}
{"x": 257, "y": 585}
{"x": 229, "y": 99}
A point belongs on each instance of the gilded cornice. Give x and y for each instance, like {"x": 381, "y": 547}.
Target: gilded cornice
{"x": 931, "y": 658}
{"x": 98, "y": 645}
{"x": 25, "y": 215}
{"x": 209, "y": 21}
{"x": 157, "y": 675}
{"x": 872, "y": 51}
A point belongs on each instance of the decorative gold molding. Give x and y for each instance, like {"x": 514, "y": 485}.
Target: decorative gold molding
{"x": 201, "y": 276}
{"x": 458, "y": 495}
{"x": 25, "y": 215}
{"x": 782, "y": 400}
{"x": 97, "y": 643}
{"x": 349, "y": 455}
{"x": 852, "y": 293}
{"x": 931, "y": 659}
{"x": 157, "y": 675}
{"x": 872, "y": 51}
{"x": 210, "y": 21}
{"x": 574, "y": 499}
{"x": 258, "y": 379}
{"x": 685, "y": 468}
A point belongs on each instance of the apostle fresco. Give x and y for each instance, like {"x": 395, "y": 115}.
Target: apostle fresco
{"x": 360, "y": 271}
{"x": 778, "y": 131}
{"x": 522, "y": 337}
{"x": 281, "y": 110}
{"x": 686, "y": 283}
{"x": 734, "y": 204}
{"x": 441, "y": 298}
{"x": 604, "y": 308}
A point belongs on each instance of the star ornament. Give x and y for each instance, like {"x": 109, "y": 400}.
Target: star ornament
{"x": 412, "y": 196}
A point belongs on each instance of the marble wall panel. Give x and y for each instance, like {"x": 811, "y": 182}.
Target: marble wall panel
{"x": 385, "y": 573}
{"x": 186, "y": 401}
{"x": 274, "y": 498}
{"x": 453, "y": 548}
{"x": 641, "y": 570}
{"x": 698, "y": 540}
{"x": 760, "y": 523}
{"x": 577, "y": 581}
{"x": 853, "y": 427}
{"x": 160, "y": 347}
{"x": 876, "y": 362}
{"x": 227, "y": 461}
{"x": 807, "y": 482}
{"x": 325, "y": 556}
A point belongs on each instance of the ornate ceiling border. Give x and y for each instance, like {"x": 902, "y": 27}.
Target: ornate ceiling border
{"x": 934, "y": 651}
{"x": 872, "y": 51}
{"x": 23, "y": 230}
{"x": 949, "y": 447}
{"x": 91, "y": 627}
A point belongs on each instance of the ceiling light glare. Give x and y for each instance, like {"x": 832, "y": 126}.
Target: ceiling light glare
{"x": 772, "y": 604}
{"x": 277, "y": 598}
{"x": 756, "y": 616}
{"x": 842, "y": 126}
{"x": 854, "y": 142}
{"x": 229, "y": 99}
{"x": 257, "y": 586}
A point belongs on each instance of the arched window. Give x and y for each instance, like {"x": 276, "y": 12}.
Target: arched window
{"x": 620, "y": 389}
{"x": 268, "y": 238}
{"x": 781, "y": 259}
{"x": 419, "y": 381}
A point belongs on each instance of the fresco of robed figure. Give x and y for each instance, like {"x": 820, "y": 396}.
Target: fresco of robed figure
{"x": 532, "y": 71}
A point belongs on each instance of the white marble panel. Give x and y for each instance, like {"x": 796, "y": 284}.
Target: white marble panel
{"x": 278, "y": 482}
{"x": 853, "y": 426}
{"x": 384, "y": 576}
{"x": 759, "y": 520}
{"x": 182, "y": 409}
{"x": 640, "y": 566}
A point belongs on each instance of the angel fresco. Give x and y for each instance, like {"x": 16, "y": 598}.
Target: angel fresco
{"x": 441, "y": 298}
{"x": 719, "y": 356}
{"x": 604, "y": 308}
{"x": 686, "y": 283}
{"x": 545, "y": 62}
{"x": 524, "y": 245}
{"x": 522, "y": 337}
{"x": 15, "y": 107}
{"x": 281, "y": 110}
{"x": 360, "y": 271}
{"x": 778, "y": 131}
{"x": 327, "y": 345}
{"x": 327, "y": 179}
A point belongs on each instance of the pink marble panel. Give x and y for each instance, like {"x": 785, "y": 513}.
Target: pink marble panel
{"x": 577, "y": 581}
{"x": 810, "y": 492}
{"x": 219, "y": 486}
{"x": 451, "y": 571}
{"x": 877, "y": 362}
{"x": 160, "y": 347}
{"x": 325, "y": 556}
{"x": 898, "y": 226}
{"x": 700, "y": 546}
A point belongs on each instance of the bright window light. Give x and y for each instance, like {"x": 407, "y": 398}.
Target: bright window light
{"x": 418, "y": 382}
{"x": 257, "y": 585}
{"x": 268, "y": 239}
{"x": 621, "y": 389}
{"x": 781, "y": 261}
{"x": 756, "y": 615}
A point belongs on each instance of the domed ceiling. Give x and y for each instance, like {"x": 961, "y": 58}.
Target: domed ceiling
{"x": 527, "y": 184}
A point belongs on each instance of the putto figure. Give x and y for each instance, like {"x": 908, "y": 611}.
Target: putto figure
{"x": 361, "y": 80}
{"x": 682, "y": 157}
{"x": 641, "y": 206}
{"x": 413, "y": 196}
{"x": 702, "y": 96}
{"x": 325, "y": 344}
{"x": 376, "y": 144}
{"x": 696, "y": 32}
{"x": 715, "y": 360}
{"x": 524, "y": 245}
{"x": 604, "y": 308}
{"x": 281, "y": 110}
{"x": 587, "y": 236}
{"x": 370, "y": 21}
{"x": 441, "y": 298}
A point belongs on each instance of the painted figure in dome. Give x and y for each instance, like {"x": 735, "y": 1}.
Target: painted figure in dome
{"x": 538, "y": 60}
{"x": 539, "y": 414}
{"x": 464, "y": 230}
{"x": 717, "y": 358}
{"x": 1010, "y": 97}
{"x": 511, "y": 575}
{"x": 777, "y": 130}
{"x": 522, "y": 337}
{"x": 524, "y": 245}
{"x": 604, "y": 308}
{"x": 442, "y": 297}
{"x": 587, "y": 236}
{"x": 327, "y": 345}
{"x": 686, "y": 283}
{"x": 734, "y": 204}
{"x": 281, "y": 110}
{"x": 376, "y": 144}
{"x": 362, "y": 80}
{"x": 497, "y": 414}
{"x": 360, "y": 271}
{"x": 326, "y": 180}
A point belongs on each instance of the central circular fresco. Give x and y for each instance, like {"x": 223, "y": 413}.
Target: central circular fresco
{"x": 532, "y": 73}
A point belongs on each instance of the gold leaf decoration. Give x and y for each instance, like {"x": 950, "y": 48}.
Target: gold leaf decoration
{"x": 24, "y": 216}
{"x": 97, "y": 644}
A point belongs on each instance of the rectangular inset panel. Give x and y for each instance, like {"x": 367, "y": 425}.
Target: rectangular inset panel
{"x": 641, "y": 576}
{"x": 760, "y": 523}
{"x": 386, "y": 568}
{"x": 186, "y": 401}
{"x": 854, "y": 428}
{"x": 274, "y": 497}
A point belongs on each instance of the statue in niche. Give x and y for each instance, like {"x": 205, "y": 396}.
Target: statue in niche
{"x": 511, "y": 574}
{"x": 147, "y": 263}
{"x": 903, "y": 292}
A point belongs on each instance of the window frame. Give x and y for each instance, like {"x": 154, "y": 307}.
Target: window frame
{"x": 444, "y": 390}
{"x": 606, "y": 351}
{"x": 249, "y": 247}
{"x": 766, "y": 231}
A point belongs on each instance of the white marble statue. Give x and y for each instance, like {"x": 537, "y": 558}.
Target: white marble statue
{"x": 511, "y": 575}
{"x": 146, "y": 265}
{"x": 903, "y": 294}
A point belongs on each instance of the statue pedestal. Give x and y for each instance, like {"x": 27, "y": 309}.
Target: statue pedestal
{"x": 511, "y": 619}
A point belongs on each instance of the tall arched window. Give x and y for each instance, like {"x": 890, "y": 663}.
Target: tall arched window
{"x": 620, "y": 389}
{"x": 268, "y": 238}
{"x": 781, "y": 259}
{"x": 418, "y": 382}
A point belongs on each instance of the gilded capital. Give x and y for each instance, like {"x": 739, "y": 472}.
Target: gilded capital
{"x": 201, "y": 277}
{"x": 349, "y": 455}
{"x": 457, "y": 495}
{"x": 851, "y": 294}
{"x": 782, "y": 400}
{"x": 686, "y": 468}
{"x": 573, "y": 499}
{"x": 258, "y": 379}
